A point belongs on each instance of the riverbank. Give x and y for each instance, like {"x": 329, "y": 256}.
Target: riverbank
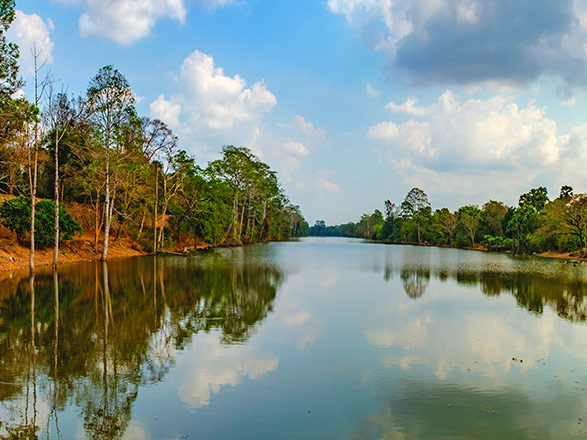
{"x": 549, "y": 254}
{"x": 14, "y": 256}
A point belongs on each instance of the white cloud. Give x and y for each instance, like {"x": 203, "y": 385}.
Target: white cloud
{"x": 31, "y": 33}
{"x": 210, "y": 108}
{"x": 329, "y": 186}
{"x": 371, "y": 91}
{"x": 166, "y": 111}
{"x": 127, "y": 21}
{"x": 296, "y": 148}
{"x": 410, "y": 106}
{"x": 308, "y": 128}
{"x": 474, "y": 134}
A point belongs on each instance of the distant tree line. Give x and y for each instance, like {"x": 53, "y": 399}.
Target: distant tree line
{"x": 536, "y": 225}
{"x": 96, "y": 149}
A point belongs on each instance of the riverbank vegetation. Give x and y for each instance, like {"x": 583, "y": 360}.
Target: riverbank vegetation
{"x": 536, "y": 225}
{"x": 129, "y": 170}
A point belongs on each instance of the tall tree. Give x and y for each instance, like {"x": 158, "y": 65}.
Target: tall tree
{"x": 413, "y": 207}
{"x": 469, "y": 217}
{"x": 110, "y": 101}
{"x": 33, "y": 156}
{"x": 59, "y": 115}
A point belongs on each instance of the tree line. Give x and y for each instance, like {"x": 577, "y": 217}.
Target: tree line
{"x": 536, "y": 225}
{"x": 96, "y": 149}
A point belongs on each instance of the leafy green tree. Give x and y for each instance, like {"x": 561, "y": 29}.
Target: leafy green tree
{"x": 469, "y": 216}
{"x": 413, "y": 208}
{"x": 537, "y": 197}
{"x": 570, "y": 215}
{"x": 492, "y": 214}
{"x": 566, "y": 192}
{"x": 522, "y": 224}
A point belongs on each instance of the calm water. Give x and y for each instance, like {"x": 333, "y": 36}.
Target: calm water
{"x": 320, "y": 339}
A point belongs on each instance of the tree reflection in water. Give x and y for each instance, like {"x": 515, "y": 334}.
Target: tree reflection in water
{"x": 415, "y": 281}
{"x": 101, "y": 330}
{"x": 564, "y": 294}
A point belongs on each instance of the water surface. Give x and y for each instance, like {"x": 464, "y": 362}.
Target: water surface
{"x": 321, "y": 339}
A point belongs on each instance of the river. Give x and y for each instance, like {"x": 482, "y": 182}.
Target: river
{"x": 318, "y": 339}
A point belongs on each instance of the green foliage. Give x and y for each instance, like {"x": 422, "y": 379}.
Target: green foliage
{"x": 522, "y": 224}
{"x": 497, "y": 243}
{"x": 537, "y": 198}
{"x": 15, "y": 214}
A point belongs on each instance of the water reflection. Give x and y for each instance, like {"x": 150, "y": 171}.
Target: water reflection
{"x": 564, "y": 294}
{"x": 92, "y": 335}
{"x": 419, "y": 410}
{"x": 415, "y": 281}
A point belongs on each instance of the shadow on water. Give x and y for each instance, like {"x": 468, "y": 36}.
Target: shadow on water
{"x": 93, "y": 333}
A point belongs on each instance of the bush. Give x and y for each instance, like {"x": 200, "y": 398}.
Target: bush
{"x": 15, "y": 214}
{"x": 497, "y": 243}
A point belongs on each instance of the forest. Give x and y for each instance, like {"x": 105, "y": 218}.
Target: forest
{"x": 129, "y": 170}
{"x": 536, "y": 225}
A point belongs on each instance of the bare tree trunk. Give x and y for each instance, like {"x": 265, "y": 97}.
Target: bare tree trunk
{"x": 142, "y": 224}
{"x": 235, "y": 215}
{"x": 155, "y": 213}
{"x": 33, "y": 189}
{"x": 107, "y": 201}
{"x": 240, "y": 228}
{"x": 56, "y": 249}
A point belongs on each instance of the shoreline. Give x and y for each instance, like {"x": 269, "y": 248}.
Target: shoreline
{"x": 549, "y": 254}
{"x": 81, "y": 251}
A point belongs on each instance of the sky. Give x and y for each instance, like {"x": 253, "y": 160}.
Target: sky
{"x": 352, "y": 101}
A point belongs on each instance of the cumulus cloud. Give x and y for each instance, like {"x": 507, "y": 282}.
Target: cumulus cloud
{"x": 473, "y": 41}
{"x": 125, "y": 21}
{"x": 474, "y": 134}
{"x": 166, "y": 111}
{"x": 213, "y": 107}
{"x": 32, "y": 33}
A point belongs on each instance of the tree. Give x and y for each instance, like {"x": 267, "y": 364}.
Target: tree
{"x": 59, "y": 115}
{"x": 110, "y": 102}
{"x": 566, "y": 192}
{"x": 522, "y": 224}
{"x": 571, "y": 216}
{"x": 446, "y": 224}
{"x": 33, "y": 151}
{"x": 492, "y": 214}
{"x": 469, "y": 217}
{"x": 537, "y": 197}
{"x": 413, "y": 207}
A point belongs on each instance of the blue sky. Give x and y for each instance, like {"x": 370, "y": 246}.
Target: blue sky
{"x": 352, "y": 101}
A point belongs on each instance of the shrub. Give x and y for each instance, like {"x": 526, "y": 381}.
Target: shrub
{"x": 497, "y": 243}
{"x": 15, "y": 214}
